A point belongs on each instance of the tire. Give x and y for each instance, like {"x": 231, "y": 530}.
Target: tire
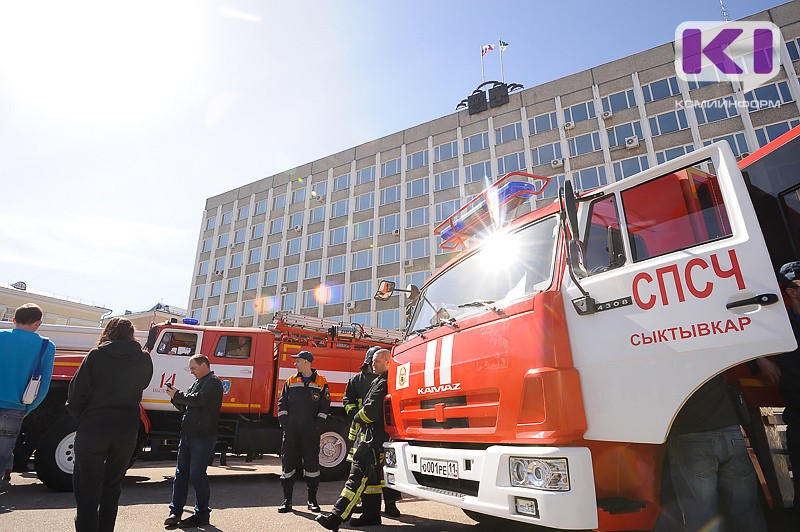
{"x": 333, "y": 449}
{"x": 54, "y": 459}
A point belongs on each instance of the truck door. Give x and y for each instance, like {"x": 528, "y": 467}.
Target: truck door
{"x": 683, "y": 289}
{"x": 171, "y": 365}
{"x": 232, "y": 361}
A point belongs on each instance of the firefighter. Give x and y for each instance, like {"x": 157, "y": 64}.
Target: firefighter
{"x": 354, "y": 395}
{"x": 304, "y": 403}
{"x": 366, "y": 474}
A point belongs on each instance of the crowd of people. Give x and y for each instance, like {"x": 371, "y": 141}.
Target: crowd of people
{"x": 713, "y": 478}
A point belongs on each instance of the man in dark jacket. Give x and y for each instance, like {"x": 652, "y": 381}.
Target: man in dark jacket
{"x": 303, "y": 405}
{"x": 200, "y": 406}
{"x": 354, "y": 394}
{"x": 366, "y": 474}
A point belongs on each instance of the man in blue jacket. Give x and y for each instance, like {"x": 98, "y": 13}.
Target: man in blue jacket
{"x": 21, "y": 352}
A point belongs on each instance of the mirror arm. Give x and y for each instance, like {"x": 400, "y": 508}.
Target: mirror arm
{"x": 586, "y": 304}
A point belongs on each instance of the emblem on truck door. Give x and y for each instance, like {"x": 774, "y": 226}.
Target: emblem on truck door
{"x": 402, "y": 376}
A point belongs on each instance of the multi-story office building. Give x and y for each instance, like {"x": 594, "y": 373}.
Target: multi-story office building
{"x": 318, "y": 238}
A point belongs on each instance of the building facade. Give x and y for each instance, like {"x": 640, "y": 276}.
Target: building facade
{"x": 317, "y": 239}
{"x": 56, "y": 310}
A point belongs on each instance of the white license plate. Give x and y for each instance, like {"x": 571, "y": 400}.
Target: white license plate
{"x": 438, "y": 468}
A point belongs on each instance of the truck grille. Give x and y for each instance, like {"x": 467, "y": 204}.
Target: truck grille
{"x": 476, "y": 409}
{"x": 453, "y": 487}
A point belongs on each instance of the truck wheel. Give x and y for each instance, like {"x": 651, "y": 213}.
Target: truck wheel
{"x": 333, "y": 449}
{"x": 55, "y": 455}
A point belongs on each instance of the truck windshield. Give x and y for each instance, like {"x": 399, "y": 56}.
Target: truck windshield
{"x": 506, "y": 267}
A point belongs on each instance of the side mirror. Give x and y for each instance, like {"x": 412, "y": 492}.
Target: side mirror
{"x": 570, "y": 206}
{"x": 385, "y": 291}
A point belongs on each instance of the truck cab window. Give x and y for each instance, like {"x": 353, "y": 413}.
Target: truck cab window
{"x": 177, "y": 343}
{"x": 604, "y": 249}
{"x": 233, "y": 347}
{"x": 674, "y": 212}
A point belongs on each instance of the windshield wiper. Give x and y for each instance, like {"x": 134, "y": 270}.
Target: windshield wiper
{"x": 487, "y": 303}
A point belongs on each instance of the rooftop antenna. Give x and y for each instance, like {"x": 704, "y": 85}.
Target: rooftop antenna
{"x": 724, "y": 11}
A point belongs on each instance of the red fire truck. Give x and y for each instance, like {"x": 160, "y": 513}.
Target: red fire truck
{"x": 252, "y": 364}
{"x": 543, "y": 367}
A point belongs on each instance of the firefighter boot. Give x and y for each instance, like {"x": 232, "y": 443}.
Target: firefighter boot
{"x": 372, "y": 511}
{"x": 390, "y": 509}
{"x": 331, "y": 521}
{"x": 312, "y": 501}
{"x": 286, "y": 507}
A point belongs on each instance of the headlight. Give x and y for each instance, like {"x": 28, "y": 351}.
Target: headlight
{"x": 389, "y": 457}
{"x": 539, "y": 473}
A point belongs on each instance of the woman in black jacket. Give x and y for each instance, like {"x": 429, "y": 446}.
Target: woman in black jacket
{"x": 104, "y": 397}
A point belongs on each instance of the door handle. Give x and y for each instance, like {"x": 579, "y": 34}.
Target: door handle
{"x": 761, "y": 299}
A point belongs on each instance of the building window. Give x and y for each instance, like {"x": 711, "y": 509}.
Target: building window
{"x": 389, "y": 319}
{"x": 296, "y": 220}
{"x": 362, "y": 259}
{"x": 230, "y": 311}
{"x": 671, "y": 153}
{"x": 361, "y": 291}
{"x": 445, "y": 151}
{"x": 476, "y": 142}
{"x": 227, "y": 218}
{"x": 715, "y": 110}
{"x": 579, "y": 112}
{"x": 663, "y": 88}
{"x": 668, "y": 122}
{"x": 279, "y": 202}
{"x": 238, "y": 236}
{"x": 244, "y": 212}
{"x": 203, "y": 269}
{"x": 771, "y": 132}
{"x": 389, "y": 224}
{"x": 219, "y": 264}
{"x": 276, "y": 226}
{"x": 216, "y": 288}
{"x": 334, "y": 294}
{"x": 772, "y": 95}
{"x": 200, "y": 291}
{"x": 261, "y": 207}
{"x": 589, "y": 178}
{"x": 418, "y": 249}
{"x": 211, "y": 222}
{"x": 417, "y": 278}
{"x": 362, "y": 318}
{"x": 341, "y": 183}
{"x": 390, "y": 168}
{"x": 543, "y": 122}
{"x": 508, "y": 133}
{"x": 313, "y": 269}
{"x": 390, "y": 195}
{"x": 418, "y": 187}
{"x": 248, "y": 309}
{"x": 553, "y": 186}
{"x": 317, "y": 214}
{"x": 511, "y": 163}
{"x": 222, "y": 241}
{"x": 478, "y": 172}
{"x": 309, "y": 299}
{"x": 694, "y": 84}
{"x": 251, "y": 282}
{"x": 619, "y": 101}
{"x": 365, "y": 175}
{"x": 314, "y": 241}
{"x": 336, "y": 264}
{"x": 618, "y": 134}
{"x": 628, "y": 167}
{"x": 255, "y": 256}
{"x": 274, "y": 251}
{"x": 417, "y": 217}
{"x": 445, "y": 180}
{"x": 233, "y": 285}
{"x": 291, "y": 273}
{"x": 258, "y": 231}
{"x": 206, "y": 245}
{"x": 289, "y": 302}
{"x": 365, "y": 201}
{"x": 446, "y": 209}
{"x": 293, "y": 246}
{"x": 363, "y": 230}
{"x": 736, "y": 141}
{"x": 197, "y": 314}
{"x": 298, "y": 195}
{"x": 271, "y": 277}
{"x": 546, "y": 153}
{"x": 339, "y": 209}
{"x": 417, "y": 160}
{"x": 389, "y": 254}
{"x": 319, "y": 189}
{"x": 338, "y": 236}
{"x": 212, "y": 314}
{"x": 794, "y": 49}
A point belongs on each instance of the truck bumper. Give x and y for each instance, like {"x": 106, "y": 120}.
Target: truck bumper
{"x": 484, "y": 483}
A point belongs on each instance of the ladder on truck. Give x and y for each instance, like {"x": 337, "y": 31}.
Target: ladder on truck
{"x": 336, "y": 329}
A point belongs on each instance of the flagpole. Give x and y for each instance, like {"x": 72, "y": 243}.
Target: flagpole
{"x": 483, "y": 72}
{"x": 502, "y": 75}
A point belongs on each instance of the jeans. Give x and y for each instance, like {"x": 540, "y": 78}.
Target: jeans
{"x": 10, "y": 424}
{"x": 194, "y": 454}
{"x": 715, "y": 482}
{"x": 102, "y": 457}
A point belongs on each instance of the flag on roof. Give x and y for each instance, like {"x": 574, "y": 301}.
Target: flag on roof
{"x": 485, "y": 48}
{"x": 503, "y": 46}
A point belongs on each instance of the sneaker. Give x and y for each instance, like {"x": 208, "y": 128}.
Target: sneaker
{"x": 286, "y": 507}
{"x": 314, "y": 507}
{"x": 172, "y": 520}
{"x": 330, "y": 521}
{"x": 193, "y": 521}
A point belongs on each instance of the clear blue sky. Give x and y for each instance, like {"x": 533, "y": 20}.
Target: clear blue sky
{"x": 119, "y": 119}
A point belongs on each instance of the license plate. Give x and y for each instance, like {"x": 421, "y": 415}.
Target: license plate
{"x": 438, "y": 468}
